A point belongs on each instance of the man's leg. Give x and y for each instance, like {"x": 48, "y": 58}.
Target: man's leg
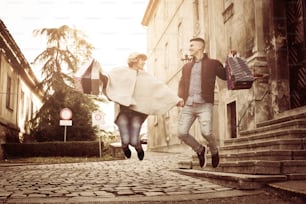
{"x": 186, "y": 120}
{"x": 205, "y": 118}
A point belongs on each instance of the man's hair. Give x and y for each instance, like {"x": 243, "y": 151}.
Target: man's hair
{"x": 198, "y": 39}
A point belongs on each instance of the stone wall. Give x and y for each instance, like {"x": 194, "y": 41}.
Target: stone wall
{"x": 255, "y": 28}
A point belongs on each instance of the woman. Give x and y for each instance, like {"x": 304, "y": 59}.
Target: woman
{"x": 130, "y": 121}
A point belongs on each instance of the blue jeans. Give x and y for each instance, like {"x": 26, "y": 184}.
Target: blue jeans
{"x": 129, "y": 123}
{"x": 203, "y": 112}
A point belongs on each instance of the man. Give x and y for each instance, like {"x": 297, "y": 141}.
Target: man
{"x": 196, "y": 88}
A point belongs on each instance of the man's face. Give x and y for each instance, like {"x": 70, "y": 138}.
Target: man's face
{"x": 196, "y": 47}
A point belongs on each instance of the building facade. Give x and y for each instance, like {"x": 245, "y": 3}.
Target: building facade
{"x": 269, "y": 34}
{"x": 20, "y": 96}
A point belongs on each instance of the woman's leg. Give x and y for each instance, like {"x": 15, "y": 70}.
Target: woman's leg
{"x": 135, "y": 126}
{"x": 123, "y": 125}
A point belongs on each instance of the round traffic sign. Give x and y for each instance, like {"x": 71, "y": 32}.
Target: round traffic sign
{"x": 66, "y": 114}
{"x": 98, "y": 116}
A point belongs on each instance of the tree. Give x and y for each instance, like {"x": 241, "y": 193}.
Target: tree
{"x": 66, "y": 49}
{"x": 45, "y": 126}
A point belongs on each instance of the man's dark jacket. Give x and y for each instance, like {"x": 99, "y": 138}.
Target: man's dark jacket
{"x": 210, "y": 69}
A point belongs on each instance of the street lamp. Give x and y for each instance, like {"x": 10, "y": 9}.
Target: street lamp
{"x": 186, "y": 58}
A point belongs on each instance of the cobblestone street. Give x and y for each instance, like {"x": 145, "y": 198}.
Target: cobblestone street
{"x": 109, "y": 181}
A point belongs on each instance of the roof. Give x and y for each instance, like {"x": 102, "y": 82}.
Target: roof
{"x": 12, "y": 52}
{"x": 150, "y": 10}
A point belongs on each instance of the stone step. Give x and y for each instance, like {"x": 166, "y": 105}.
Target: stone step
{"x": 272, "y": 155}
{"x": 265, "y": 155}
{"x": 273, "y": 151}
{"x": 292, "y": 124}
{"x": 289, "y": 115}
{"x": 277, "y": 134}
{"x": 257, "y": 167}
{"x": 269, "y": 144}
{"x": 236, "y": 180}
{"x": 294, "y": 187}
{"x": 116, "y": 150}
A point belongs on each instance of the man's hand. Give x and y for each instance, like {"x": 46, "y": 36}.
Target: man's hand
{"x": 233, "y": 53}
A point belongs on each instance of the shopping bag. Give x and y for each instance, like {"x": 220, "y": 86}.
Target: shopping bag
{"x": 239, "y": 75}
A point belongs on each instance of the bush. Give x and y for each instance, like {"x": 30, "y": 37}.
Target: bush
{"x": 50, "y": 149}
{"x": 45, "y": 125}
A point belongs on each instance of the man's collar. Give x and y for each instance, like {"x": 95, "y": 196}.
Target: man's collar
{"x": 204, "y": 57}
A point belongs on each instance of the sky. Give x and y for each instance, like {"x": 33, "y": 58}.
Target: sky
{"x": 113, "y": 27}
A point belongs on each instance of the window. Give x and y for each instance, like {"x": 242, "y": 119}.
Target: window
{"x": 228, "y": 12}
{"x": 165, "y": 10}
{"x": 0, "y": 64}
{"x": 180, "y": 39}
{"x": 155, "y": 65}
{"x": 227, "y": 3}
{"x": 22, "y": 103}
{"x": 196, "y": 10}
{"x": 166, "y": 57}
{"x": 32, "y": 109}
{"x": 9, "y": 94}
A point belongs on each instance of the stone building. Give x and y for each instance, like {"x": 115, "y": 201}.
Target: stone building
{"x": 19, "y": 96}
{"x": 269, "y": 34}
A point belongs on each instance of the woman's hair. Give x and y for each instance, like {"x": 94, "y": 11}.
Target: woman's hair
{"x": 134, "y": 57}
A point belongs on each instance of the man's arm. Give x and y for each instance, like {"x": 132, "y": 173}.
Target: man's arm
{"x": 181, "y": 84}
{"x": 181, "y": 90}
{"x": 221, "y": 71}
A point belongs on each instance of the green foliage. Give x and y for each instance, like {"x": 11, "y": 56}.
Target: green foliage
{"x": 65, "y": 48}
{"x": 45, "y": 126}
{"x": 48, "y": 149}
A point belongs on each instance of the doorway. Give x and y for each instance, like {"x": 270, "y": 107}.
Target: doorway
{"x": 232, "y": 119}
{"x": 296, "y": 33}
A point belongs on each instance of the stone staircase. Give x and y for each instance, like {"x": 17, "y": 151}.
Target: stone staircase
{"x": 274, "y": 147}
{"x": 275, "y": 150}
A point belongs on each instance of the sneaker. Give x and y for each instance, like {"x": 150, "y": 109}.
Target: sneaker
{"x": 202, "y": 157}
{"x": 127, "y": 152}
{"x": 215, "y": 160}
{"x": 140, "y": 154}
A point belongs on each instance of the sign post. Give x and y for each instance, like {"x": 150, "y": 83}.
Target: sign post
{"x": 100, "y": 148}
{"x": 65, "y": 115}
{"x": 98, "y": 120}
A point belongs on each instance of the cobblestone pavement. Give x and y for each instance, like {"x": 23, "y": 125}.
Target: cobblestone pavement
{"x": 109, "y": 181}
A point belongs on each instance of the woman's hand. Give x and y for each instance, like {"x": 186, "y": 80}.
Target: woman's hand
{"x": 180, "y": 103}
